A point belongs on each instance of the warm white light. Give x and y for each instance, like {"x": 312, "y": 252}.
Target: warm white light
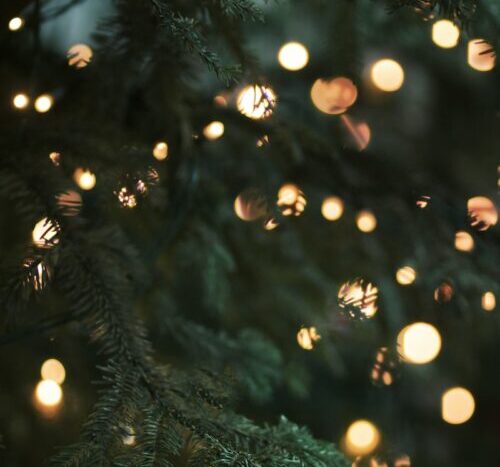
{"x": 406, "y": 275}
{"x": 307, "y": 337}
{"x": 85, "y": 179}
{"x": 488, "y": 301}
{"x": 366, "y": 221}
{"x": 445, "y": 34}
{"x": 464, "y": 241}
{"x": 53, "y": 369}
{"x": 387, "y": 75}
{"x": 333, "y": 96}
{"x": 79, "y": 55}
{"x": 291, "y": 200}
{"x": 293, "y": 56}
{"x": 250, "y": 205}
{"x": 332, "y": 208}
{"x": 358, "y": 299}
{"x": 457, "y": 405}
{"x": 213, "y": 130}
{"x": 48, "y": 393}
{"x": 362, "y": 437}
{"x": 256, "y": 102}
{"x": 482, "y": 212}
{"x": 44, "y": 103}
{"x": 20, "y": 101}
{"x": 419, "y": 343}
{"x": 16, "y": 23}
{"x": 480, "y": 55}
{"x": 44, "y": 233}
{"x": 55, "y": 157}
{"x": 160, "y": 151}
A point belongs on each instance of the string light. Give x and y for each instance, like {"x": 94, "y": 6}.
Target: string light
{"x": 333, "y": 96}
{"x": 445, "y": 34}
{"x": 480, "y": 55}
{"x": 256, "y": 102}
{"x": 384, "y": 369}
{"x": 54, "y": 370}
{"x": 488, "y": 301}
{"x": 332, "y": 208}
{"x": 126, "y": 198}
{"x": 85, "y": 179}
{"x": 366, "y": 221}
{"x": 419, "y": 343}
{"x": 160, "y": 151}
{"x": 464, "y": 241}
{"x": 48, "y": 393}
{"x": 20, "y": 101}
{"x": 457, "y": 405}
{"x": 358, "y": 299}
{"x": 43, "y": 103}
{"x": 45, "y": 232}
{"x": 482, "y": 212}
{"x": 213, "y": 130}
{"x": 16, "y": 23}
{"x": 406, "y": 275}
{"x": 291, "y": 200}
{"x": 307, "y": 338}
{"x": 361, "y": 438}
{"x": 250, "y": 205}
{"x": 293, "y": 56}
{"x": 387, "y": 75}
{"x": 423, "y": 201}
{"x": 79, "y": 55}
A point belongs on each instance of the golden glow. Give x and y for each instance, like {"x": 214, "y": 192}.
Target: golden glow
{"x": 55, "y": 157}
{"x": 387, "y": 75}
{"x": 20, "y": 101}
{"x": 480, "y": 56}
{"x": 44, "y": 103}
{"x": 85, "y": 179}
{"x": 53, "y": 369}
{"x": 126, "y": 198}
{"x": 359, "y": 299}
{"x": 250, "y": 205}
{"x": 16, "y": 23}
{"x": 291, "y": 200}
{"x": 359, "y": 133}
{"x": 213, "y": 130}
{"x": 406, "y": 275}
{"x": 334, "y": 96}
{"x": 48, "y": 393}
{"x": 271, "y": 223}
{"x": 307, "y": 337}
{"x": 457, "y": 405}
{"x": 488, "y": 301}
{"x": 361, "y": 438}
{"x": 44, "y": 233}
{"x": 160, "y": 151}
{"x": 419, "y": 343}
{"x": 332, "y": 208}
{"x": 366, "y": 221}
{"x": 445, "y": 34}
{"x": 256, "y": 102}
{"x": 79, "y": 55}
{"x": 293, "y": 56}
{"x": 464, "y": 241}
{"x": 482, "y": 212}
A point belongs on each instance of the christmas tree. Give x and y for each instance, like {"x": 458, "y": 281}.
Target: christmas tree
{"x": 249, "y": 233}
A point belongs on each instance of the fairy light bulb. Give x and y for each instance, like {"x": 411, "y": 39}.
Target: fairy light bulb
{"x": 293, "y": 56}
{"x": 480, "y": 55}
{"x": 366, "y": 221}
{"x": 53, "y": 369}
{"x": 361, "y": 438}
{"x": 333, "y": 96}
{"x": 406, "y": 275}
{"x": 43, "y": 103}
{"x": 48, "y": 393}
{"x": 20, "y": 101}
{"x": 160, "y": 151}
{"x": 307, "y": 337}
{"x": 464, "y": 241}
{"x": 85, "y": 179}
{"x": 16, "y": 23}
{"x": 482, "y": 212}
{"x": 488, "y": 301}
{"x": 44, "y": 233}
{"x": 79, "y": 55}
{"x": 332, "y": 208}
{"x": 445, "y": 34}
{"x": 457, "y": 405}
{"x": 387, "y": 75}
{"x": 419, "y": 343}
{"x": 256, "y": 102}
{"x": 213, "y": 130}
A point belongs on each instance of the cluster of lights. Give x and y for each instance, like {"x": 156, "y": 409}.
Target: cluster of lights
{"x": 213, "y": 130}
{"x": 358, "y": 299}
{"x": 419, "y": 343}
{"x": 84, "y": 178}
{"x": 43, "y": 103}
{"x": 361, "y": 438}
{"x": 307, "y": 337}
{"x": 366, "y": 221}
{"x": 291, "y": 200}
{"x": 384, "y": 368}
{"x": 48, "y": 392}
{"x": 406, "y": 275}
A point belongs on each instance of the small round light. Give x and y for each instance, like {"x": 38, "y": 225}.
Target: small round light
{"x": 387, "y": 75}
{"x": 160, "y": 151}
{"x": 333, "y": 96}
{"x": 488, "y": 301}
{"x": 213, "y": 130}
{"x": 48, "y": 393}
{"x": 480, "y": 55}
{"x": 79, "y": 55}
{"x": 20, "y": 101}
{"x": 361, "y": 438}
{"x": 464, "y": 241}
{"x": 293, "y": 56}
{"x": 457, "y": 405}
{"x": 53, "y": 369}
{"x": 250, "y": 204}
{"x": 85, "y": 179}
{"x": 406, "y": 275}
{"x": 44, "y": 103}
{"x": 366, "y": 221}
{"x": 256, "y": 102}
{"x": 445, "y": 34}
{"x": 291, "y": 200}
{"x": 419, "y": 343}
{"x": 482, "y": 212}
{"x": 16, "y": 23}
{"x": 44, "y": 233}
{"x": 332, "y": 208}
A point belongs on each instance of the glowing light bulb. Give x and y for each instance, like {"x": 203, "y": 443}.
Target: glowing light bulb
{"x": 250, "y": 205}
{"x": 213, "y": 130}
{"x": 482, "y": 212}
{"x": 366, "y": 221}
{"x": 79, "y": 55}
{"x": 45, "y": 232}
{"x": 160, "y": 151}
{"x": 361, "y": 438}
{"x": 419, "y": 343}
{"x": 457, "y": 405}
{"x": 16, "y": 23}
{"x": 53, "y": 369}
{"x": 445, "y": 34}
{"x": 332, "y": 208}
{"x": 293, "y": 56}
{"x": 387, "y": 75}
{"x": 291, "y": 200}
{"x": 307, "y": 338}
{"x": 464, "y": 241}
{"x": 85, "y": 179}
{"x": 406, "y": 275}
{"x": 48, "y": 393}
{"x": 44, "y": 103}
{"x": 20, "y": 101}
{"x": 488, "y": 301}
{"x": 256, "y": 102}
{"x": 333, "y": 96}
{"x": 480, "y": 55}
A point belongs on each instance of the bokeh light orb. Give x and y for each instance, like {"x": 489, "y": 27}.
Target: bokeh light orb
{"x": 488, "y": 301}
{"x": 79, "y": 55}
{"x": 20, "y": 101}
{"x": 69, "y": 202}
{"x": 444, "y": 292}
{"x": 419, "y": 343}
{"x": 45, "y": 232}
{"x": 48, "y": 393}
{"x": 457, "y": 405}
{"x": 54, "y": 370}
{"x": 366, "y": 221}
{"x": 16, "y": 23}
{"x": 160, "y": 151}
{"x": 213, "y": 130}
{"x": 358, "y": 299}
{"x": 256, "y": 102}
{"x": 85, "y": 179}
{"x": 358, "y": 133}
{"x": 332, "y": 208}
{"x": 333, "y": 96}
{"x": 445, "y": 34}
{"x": 307, "y": 337}
{"x": 480, "y": 55}
{"x": 43, "y": 103}
{"x": 406, "y": 275}
{"x": 293, "y": 56}
{"x": 291, "y": 200}
{"x": 361, "y": 438}
{"x": 250, "y": 204}
{"x": 464, "y": 241}
{"x": 482, "y": 212}
{"x": 387, "y": 75}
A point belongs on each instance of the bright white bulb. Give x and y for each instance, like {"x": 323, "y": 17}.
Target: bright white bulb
{"x": 457, "y": 405}
{"x": 387, "y": 75}
{"x": 293, "y": 56}
{"x": 44, "y": 103}
{"x": 213, "y": 130}
{"x": 445, "y": 34}
{"x": 16, "y": 23}
{"x": 419, "y": 343}
{"x": 20, "y": 101}
{"x": 48, "y": 393}
{"x": 85, "y": 179}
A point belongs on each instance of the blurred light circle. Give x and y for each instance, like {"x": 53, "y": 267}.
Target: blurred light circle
{"x": 20, "y": 101}
{"x": 333, "y": 96}
{"x": 256, "y": 101}
{"x": 43, "y": 103}
{"x": 457, "y": 405}
{"x": 358, "y": 133}
{"x": 53, "y": 369}
{"x": 293, "y": 56}
{"x": 445, "y": 34}
{"x": 250, "y": 204}
{"x": 387, "y": 75}
{"x": 482, "y": 212}
{"x": 79, "y": 55}
{"x": 332, "y": 208}
{"x": 480, "y": 55}
{"x": 362, "y": 437}
{"x": 419, "y": 343}
{"x": 48, "y": 393}
{"x": 488, "y": 301}
{"x": 464, "y": 241}
{"x": 366, "y": 221}
{"x": 213, "y": 130}
{"x": 160, "y": 150}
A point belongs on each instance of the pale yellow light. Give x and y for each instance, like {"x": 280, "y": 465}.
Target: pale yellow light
{"x": 464, "y": 241}
{"x": 256, "y": 102}
{"x": 160, "y": 151}
{"x": 79, "y": 55}
{"x": 85, "y": 179}
{"x": 387, "y": 75}
{"x": 307, "y": 337}
{"x": 362, "y": 437}
{"x": 293, "y": 56}
{"x": 20, "y": 101}
{"x": 332, "y": 208}
{"x": 214, "y": 130}
{"x": 291, "y": 200}
{"x": 488, "y": 301}
{"x": 406, "y": 275}
{"x": 482, "y": 212}
{"x": 479, "y": 56}
{"x": 53, "y": 369}
{"x": 333, "y": 96}
{"x": 44, "y": 233}
{"x": 48, "y": 393}
{"x": 44, "y": 103}
{"x": 445, "y": 34}
{"x": 457, "y": 405}
{"x": 419, "y": 343}
{"x": 250, "y": 205}
{"x": 16, "y": 23}
{"x": 366, "y": 221}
